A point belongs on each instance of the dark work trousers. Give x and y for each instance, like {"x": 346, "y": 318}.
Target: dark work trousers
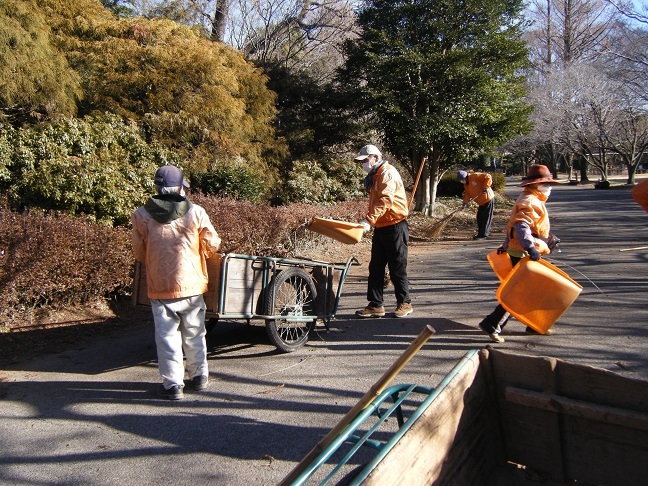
{"x": 496, "y": 320}
{"x": 389, "y": 247}
{"x": 485, "y": 217}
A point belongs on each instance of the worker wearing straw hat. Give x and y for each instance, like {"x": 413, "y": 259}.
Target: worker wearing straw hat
{"x": 477, "y": 188}
{"x": 527, "y": 234}
{"x": 387, "y": 213}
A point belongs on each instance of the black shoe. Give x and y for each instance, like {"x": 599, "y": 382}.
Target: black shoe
{"x": 480, "y": 237}
{"x": 199, "y": 383}
{"x": 173, "y": 393}
{"x": 495, "y": 337}
{"x": 548, "y": 332}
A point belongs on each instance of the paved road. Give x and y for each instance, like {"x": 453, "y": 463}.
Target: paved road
{"x": 89, "y": 416}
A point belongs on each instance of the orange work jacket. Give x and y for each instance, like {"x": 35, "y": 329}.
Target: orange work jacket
{"x": 175, "y": 252}
{"x": 474, "y": 188}
{"x": 530, "y": 208}
{"x": 387, "y": 198}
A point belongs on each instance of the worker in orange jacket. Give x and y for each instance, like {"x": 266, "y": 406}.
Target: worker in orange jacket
{"x": 527, "y": 234}
{"x": 477, "y": 188}
{"x": 174, "y": 238}
{"x": 387, "y": 213}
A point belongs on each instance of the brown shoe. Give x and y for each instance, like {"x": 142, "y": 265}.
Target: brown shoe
{"x": 403, "y": 309}
{"x": 371, "y": 311}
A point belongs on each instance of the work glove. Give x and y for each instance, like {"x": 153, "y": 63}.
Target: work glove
{"x": 533, "y": 254}
{"x": 552, "y": 242}
{"x": 365, "y": 226}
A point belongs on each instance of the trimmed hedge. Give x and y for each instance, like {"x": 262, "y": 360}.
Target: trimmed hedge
{"x": 50, "y": 259}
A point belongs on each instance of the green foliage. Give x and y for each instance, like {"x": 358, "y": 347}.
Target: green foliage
{"x": 312, "y": 182}
{"x": 99, "y": 166}
{"x": 313, "y": 116}
{"x": 234, "y": 180}
{"x": 198, "y": 97}
{"x": 36, "y": 80}
{"x": 449, "y": 186}
{"x": 499, "y": 182}
{"x": 440, "y": 75}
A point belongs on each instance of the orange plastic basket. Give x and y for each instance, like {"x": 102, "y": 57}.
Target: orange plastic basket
{"x": 537, "y": 293}
{"x": 500, "y": 263}
{"x": 342, "y": 231}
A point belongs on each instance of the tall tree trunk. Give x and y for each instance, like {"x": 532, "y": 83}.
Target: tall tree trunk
{"x": 220, "y": 20}
{"x": 631, "y": 173}
{"x": 421, "y": 196}
{"x": 434, "y": 164}
{"x": 548, "y": 59}
{"x": 584, "y": 166}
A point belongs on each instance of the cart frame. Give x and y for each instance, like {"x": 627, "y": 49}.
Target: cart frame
{"x": 289, "y": 294}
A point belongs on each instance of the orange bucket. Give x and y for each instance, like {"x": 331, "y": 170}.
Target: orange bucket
{"x": 342, "y": 231}
{"x": 500, "y": 263}
{"x": 537, "y": 293}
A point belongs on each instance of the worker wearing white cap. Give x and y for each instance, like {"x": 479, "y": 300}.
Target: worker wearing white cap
{"x": 387, "y": 213}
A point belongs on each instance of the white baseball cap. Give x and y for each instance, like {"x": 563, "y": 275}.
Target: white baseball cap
{"x": 366, "y": 151}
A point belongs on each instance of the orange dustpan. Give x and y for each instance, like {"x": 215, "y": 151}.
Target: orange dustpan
{"x": 500, "y": 262}
{"x": 537, "y": 293}
{"x": 342, "y": 231}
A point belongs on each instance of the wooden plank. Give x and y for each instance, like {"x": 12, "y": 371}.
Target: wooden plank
{"x": 598, "y": 451}
{"x": 578, "y": 408}
{"x": 601, "y": 453}
{"x": 243, "y": 287}
{"x": 601, "y": 386}
{"x": 214, "y": 269}
{"x": 600, "y": 441}
{"x": 531, "y": 437}
{"x": 451, "y": 438}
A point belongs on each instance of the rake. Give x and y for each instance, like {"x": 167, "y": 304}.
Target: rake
{"x": 438, "y": 226}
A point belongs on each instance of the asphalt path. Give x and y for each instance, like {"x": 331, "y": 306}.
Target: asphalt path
{"x": 89, "y": 415}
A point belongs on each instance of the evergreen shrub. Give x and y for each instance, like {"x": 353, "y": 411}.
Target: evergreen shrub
{"x": 312, "y": 182}
{"x": 236, "y": 181}
{"x": 99, "y": 166}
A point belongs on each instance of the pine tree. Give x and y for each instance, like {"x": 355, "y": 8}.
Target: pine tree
{"x": 440, "y": 78}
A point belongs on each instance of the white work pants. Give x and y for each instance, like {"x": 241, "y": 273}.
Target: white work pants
{"x": 180, "y": 324}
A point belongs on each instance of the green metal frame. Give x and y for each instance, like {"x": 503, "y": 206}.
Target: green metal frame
{"x": 398, "y": 393}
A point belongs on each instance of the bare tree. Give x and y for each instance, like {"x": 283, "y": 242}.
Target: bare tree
{"x": 563, "y": 31}
{"x": 298, "y": 35}
{"x": 628, "y": 10}
{"x": 295, "y": 34}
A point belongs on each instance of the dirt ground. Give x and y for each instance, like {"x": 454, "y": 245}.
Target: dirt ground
{"x": 63, "y": 329}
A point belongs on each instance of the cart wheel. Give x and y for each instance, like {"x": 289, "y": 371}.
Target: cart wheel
{"x": 292, "y": 293}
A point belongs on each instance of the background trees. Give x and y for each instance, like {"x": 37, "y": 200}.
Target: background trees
{"x": 588, "y": 87}
{"x": 439, "y": 79}
{"x": 36, "y": 82}
{"x": 435, "y": 81}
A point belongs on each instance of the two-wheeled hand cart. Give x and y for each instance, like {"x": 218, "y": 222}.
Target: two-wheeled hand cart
{"x": 290, "y": 295}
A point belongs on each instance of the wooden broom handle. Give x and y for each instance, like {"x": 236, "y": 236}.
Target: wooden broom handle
{"x": 375, "y": 390}
{"x": 418, "y": 176}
